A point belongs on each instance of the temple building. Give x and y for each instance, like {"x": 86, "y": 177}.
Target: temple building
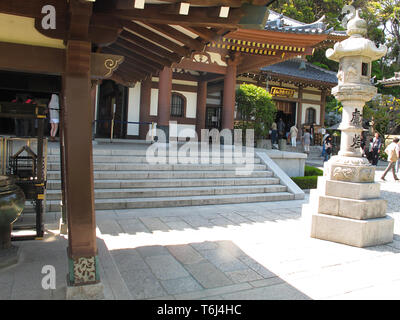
{"x": 128, "y": 65}
{"x": 198, "y": 92}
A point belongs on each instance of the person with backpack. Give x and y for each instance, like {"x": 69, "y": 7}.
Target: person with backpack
{"x": 393, "y": 152}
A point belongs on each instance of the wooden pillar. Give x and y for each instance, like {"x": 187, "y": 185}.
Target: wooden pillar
{"x": 228, "y": 108}
{"x": 299, "y": 106}
{"x": 78, "y": 116}
{"x": 144, "y": 113}
{"x": 164, "y": 96}
{"x": 323, "y": 104}
{"x": 201, "y": 107}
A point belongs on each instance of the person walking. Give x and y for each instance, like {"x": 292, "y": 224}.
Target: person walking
{"x": 54, "y": 107}
{"x": 376, "y": 147}
{"x": 306, "y": 141}
{"x": 293, "y": 135}
{"x": 393, "y": 152}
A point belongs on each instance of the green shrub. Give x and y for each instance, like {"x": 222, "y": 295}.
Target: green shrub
{"x": 312, "y": 171}
{"x": 307, "y": 182}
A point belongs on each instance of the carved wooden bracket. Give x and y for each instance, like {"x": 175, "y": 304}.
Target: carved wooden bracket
{"x": 103, "y": 65}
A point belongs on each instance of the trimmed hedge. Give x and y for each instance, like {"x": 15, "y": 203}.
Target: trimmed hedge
{"x": 307, "y": 182}
{"x": 310, "y": 179}
{"x": 312, "y": 171}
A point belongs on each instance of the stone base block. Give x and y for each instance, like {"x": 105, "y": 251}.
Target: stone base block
{"x": 358, "y": 233}
{"x": 351, "y": 190}
{"x": 350, "y": 169}
{"x": 350, "y": 208}
{"x": 85, "y": 292}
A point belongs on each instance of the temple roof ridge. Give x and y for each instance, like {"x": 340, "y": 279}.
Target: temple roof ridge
{"x": 277, "y": 22}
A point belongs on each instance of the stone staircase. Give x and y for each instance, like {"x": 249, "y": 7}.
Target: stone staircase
{"x": 125, "y": 180}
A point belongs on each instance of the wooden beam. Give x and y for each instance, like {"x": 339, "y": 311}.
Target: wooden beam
{"x": 142, "y": 52}
{"x": 132, "y": 64}
{"x": 191, "y": 65}
{"x": 137, "y": 58}
{"x": 149, "y": 46}
{"x": 198, "y": 16}
{"x": 26, "y": 58}
{"x": 204, "y": 33}
{"x": 147, "y": 33}
{"x": 179, "y": 36}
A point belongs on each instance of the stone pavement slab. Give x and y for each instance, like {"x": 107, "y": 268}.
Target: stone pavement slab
{"x": 241, "y": 251}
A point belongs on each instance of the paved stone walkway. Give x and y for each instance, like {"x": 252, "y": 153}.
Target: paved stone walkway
{"x": 243, "y": 251}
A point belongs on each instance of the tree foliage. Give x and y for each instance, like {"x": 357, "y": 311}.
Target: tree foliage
{"x": 385, "y": 112}
{"x": 383, "y": 20}
{"x": 256, "y": 109}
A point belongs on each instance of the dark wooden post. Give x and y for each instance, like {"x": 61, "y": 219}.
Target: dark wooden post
{"x": 164, "y": 99}
{"x": 299, "y": 106}
{"x": 144, "y": 113}
{"x": 82, "y": 250}
{"x": 228, "y": 108}
{"x": 323, "y": 104}
{"x": 201, "y": 107}
{"x": 79, "y": 185}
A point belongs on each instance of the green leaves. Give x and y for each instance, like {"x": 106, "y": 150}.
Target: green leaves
{"x": 256, "y": 109}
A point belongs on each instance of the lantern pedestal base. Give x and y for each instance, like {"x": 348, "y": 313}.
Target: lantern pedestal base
{"x": 346, "y": 206}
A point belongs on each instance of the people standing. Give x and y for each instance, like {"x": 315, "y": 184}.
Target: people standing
{"x": 393, "y": 152}
{"x": 274, "y": 133}
{"x": 306, "y": 141}
{"x": 326, "y": 135}
{"x": 293, "y": 135}
{"x": 54, "y": 107}
{"x": 328, "y": 148}
{"x": 312, "y": 131}
{"x": 376, "y": 147}
{"x": 281, "y": 128}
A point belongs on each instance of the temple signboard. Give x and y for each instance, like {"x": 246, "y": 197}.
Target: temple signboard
{"x": 282, "y": 92}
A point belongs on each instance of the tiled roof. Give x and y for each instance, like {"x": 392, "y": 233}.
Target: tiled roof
{"x": 391, "y": 81}
{"x": 279, "y": 22}
{"x": 292, "y": 68}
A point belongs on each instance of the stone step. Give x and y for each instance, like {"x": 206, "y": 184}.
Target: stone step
{"x": 160, "y": 167}
{"x": 161, "y": 183}
{"x": 115, "y": 204}
{"x": 141, "y": 174}
{"x": 174, "y": 192}
{"x": 142, "y": 159}
{"x": 140, "y": 152}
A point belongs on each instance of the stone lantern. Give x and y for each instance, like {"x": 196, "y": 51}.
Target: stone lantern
{"x": 346, "y": 207}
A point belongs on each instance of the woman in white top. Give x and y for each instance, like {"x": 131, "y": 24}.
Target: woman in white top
{"x": 54, "y": 106}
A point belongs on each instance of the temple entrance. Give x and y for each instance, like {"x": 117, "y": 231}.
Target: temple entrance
{"x": 112, "y": 110}
{"x": 213, "y": 118}
{"x": 286, "y": 111}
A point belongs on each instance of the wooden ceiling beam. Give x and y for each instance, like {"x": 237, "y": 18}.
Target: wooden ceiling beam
{"x": 171, "y": 32}
{"x": 198, "y": 16}
{"x": 133, "y": 60}
{"x": 142, "y": 52}
{"x": 138, "y": 58}
{"x": 147, "y": 33}
{"x": 149, "y": 46}
{"x": 204, "y": 33}
{"x": 133, "y": 63}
